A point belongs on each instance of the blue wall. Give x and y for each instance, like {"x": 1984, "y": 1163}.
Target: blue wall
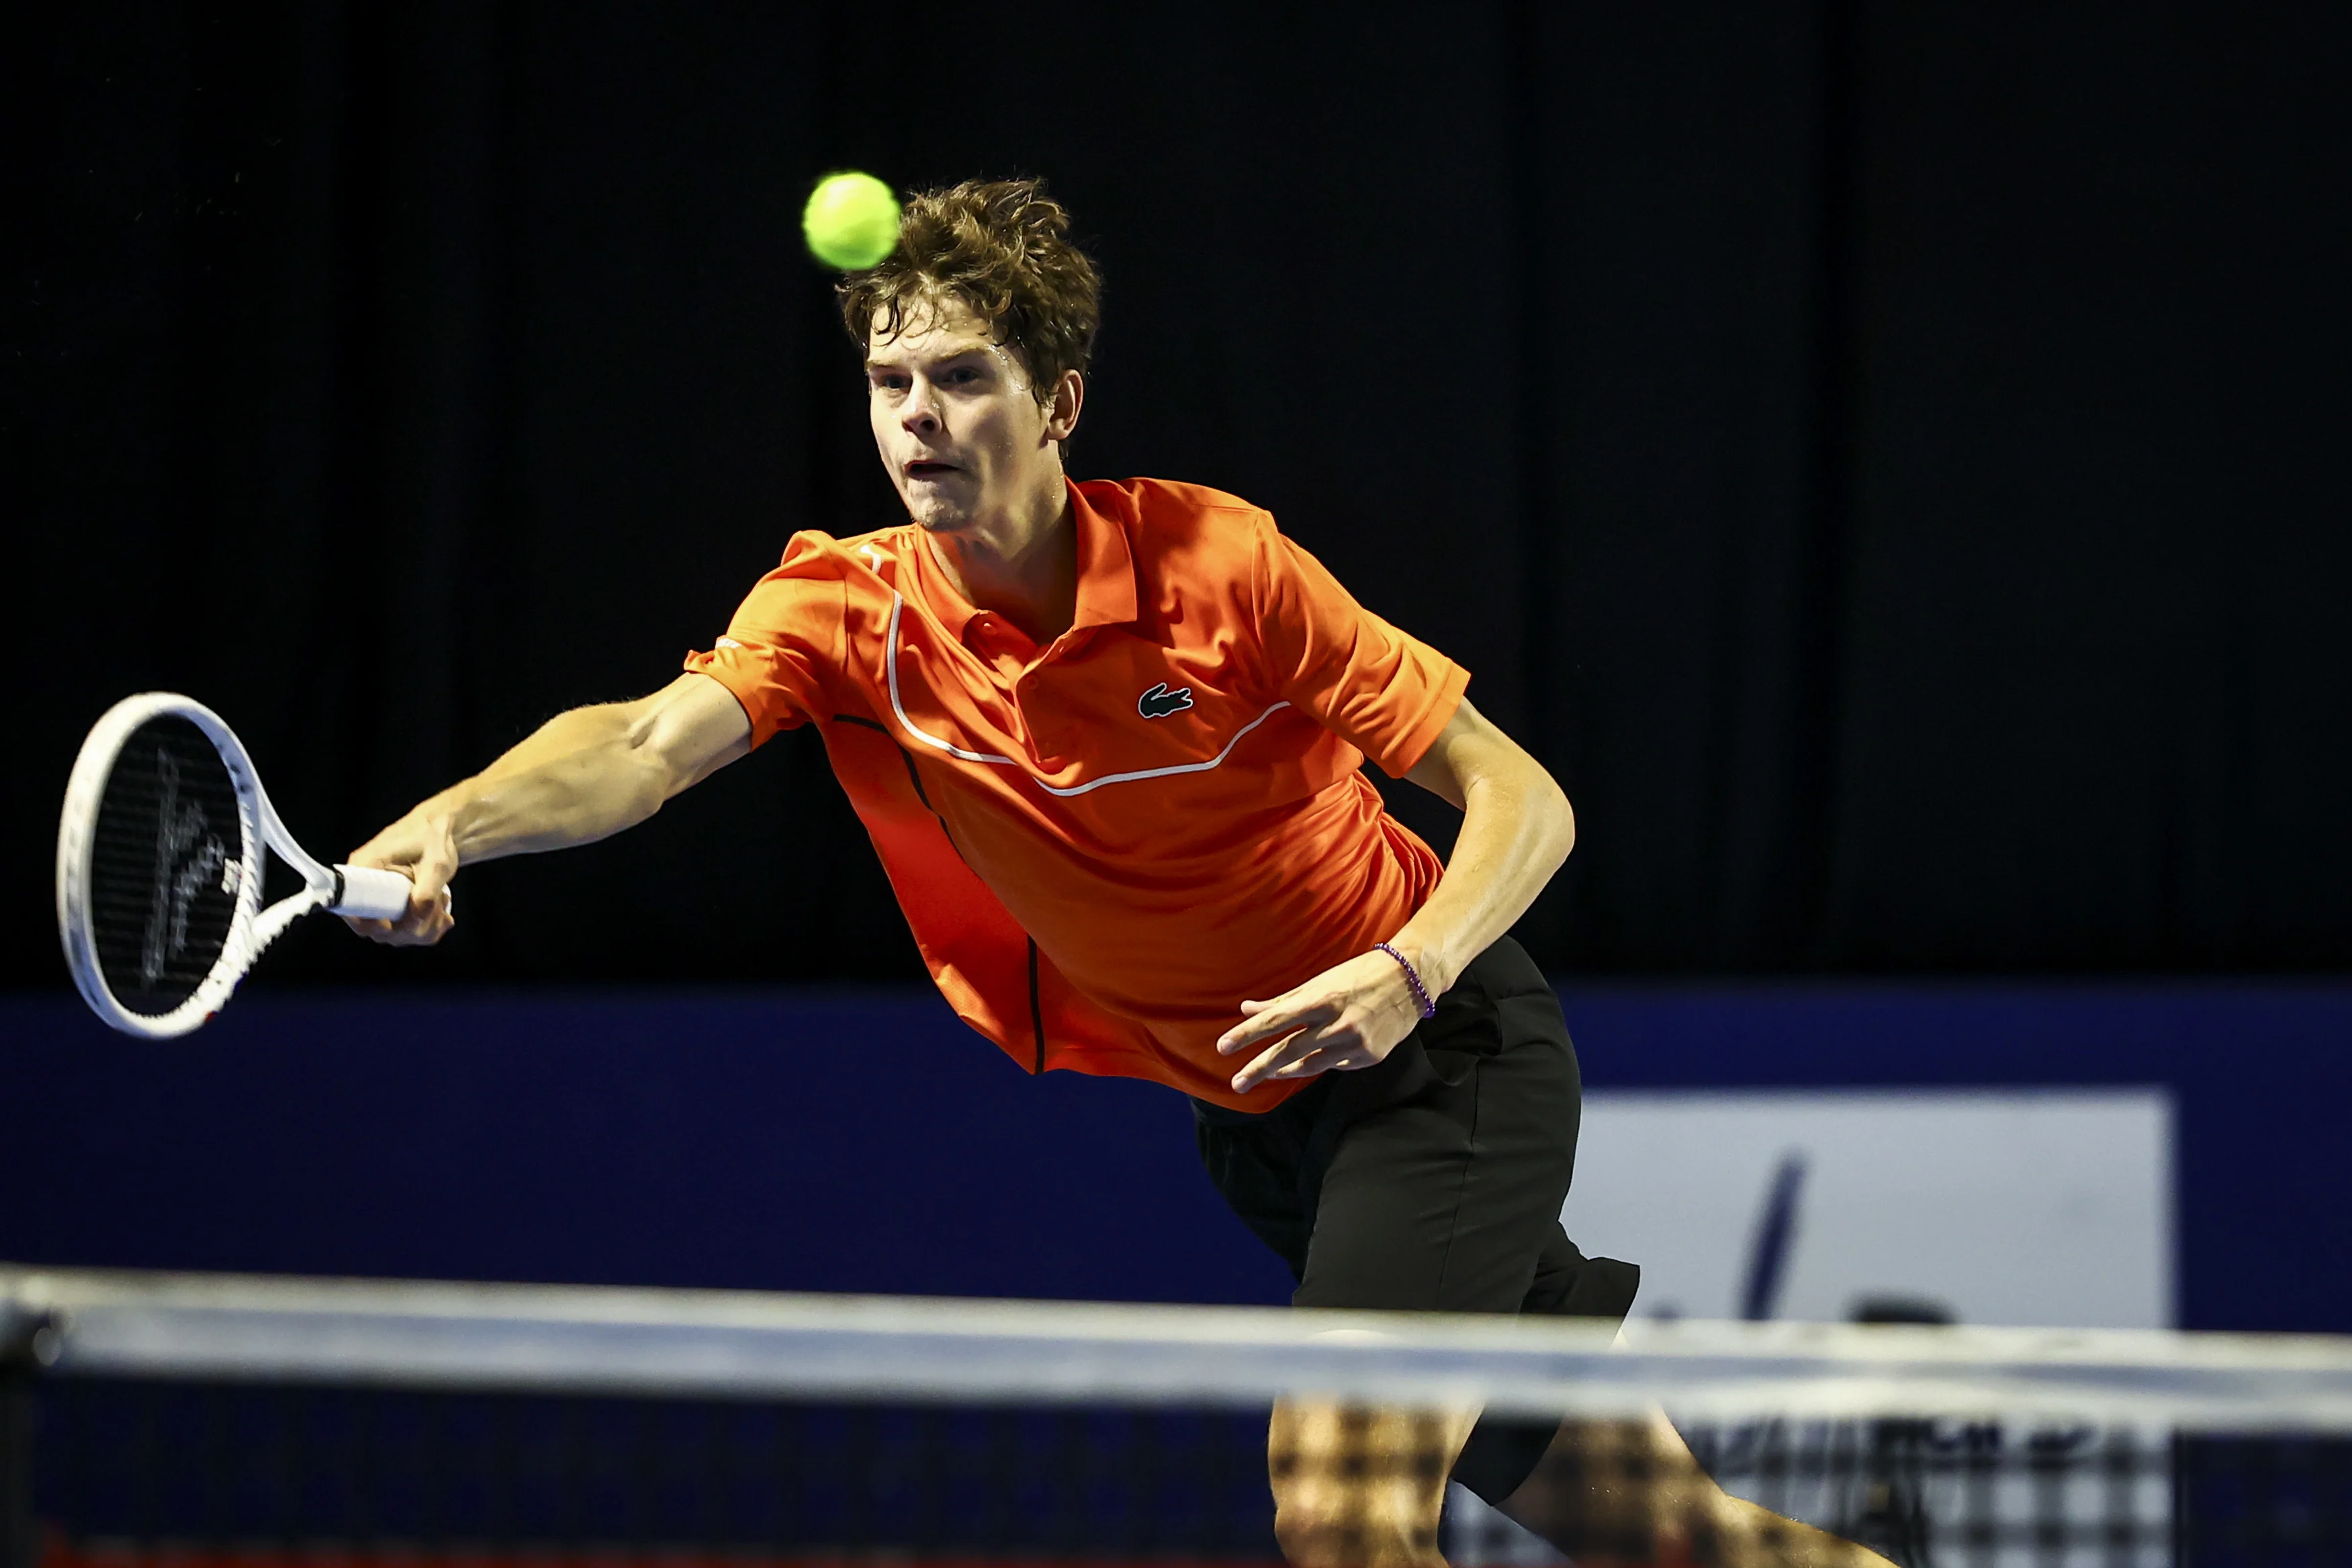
{"x": 865, "y": 1140}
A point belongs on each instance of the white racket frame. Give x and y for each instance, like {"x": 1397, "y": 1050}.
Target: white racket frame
{"x": 338, "y": 889}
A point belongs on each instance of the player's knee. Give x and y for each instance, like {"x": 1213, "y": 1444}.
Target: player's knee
{"x": 1349, "y": 1527}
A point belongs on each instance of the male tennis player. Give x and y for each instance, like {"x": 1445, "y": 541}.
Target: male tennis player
{"x": 1107, "y": 740}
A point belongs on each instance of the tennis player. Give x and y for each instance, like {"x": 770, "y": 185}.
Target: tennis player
{"x": 1108, "y": 739}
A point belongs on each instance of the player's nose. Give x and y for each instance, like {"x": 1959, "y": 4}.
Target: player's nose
{"x": 920, "y": 412}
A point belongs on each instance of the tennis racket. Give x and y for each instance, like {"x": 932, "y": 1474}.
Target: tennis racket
{"x": 160, "y": 864}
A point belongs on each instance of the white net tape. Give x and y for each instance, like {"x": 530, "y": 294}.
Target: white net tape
{"x": 747, "y": 1345}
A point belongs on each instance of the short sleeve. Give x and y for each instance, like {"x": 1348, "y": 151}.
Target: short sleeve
{"x": 1386, "y": 694}
{"x": 784, "y": 642}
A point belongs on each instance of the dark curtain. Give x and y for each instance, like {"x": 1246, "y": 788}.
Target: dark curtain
{"x": 1887, "y": 459}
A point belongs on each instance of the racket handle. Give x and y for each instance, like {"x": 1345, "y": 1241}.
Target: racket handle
{"x": 368, "y": 893}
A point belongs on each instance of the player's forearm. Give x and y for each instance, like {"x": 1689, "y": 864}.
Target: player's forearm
{"x": 1516, "y": 831}
{"x": 584, "y": 775}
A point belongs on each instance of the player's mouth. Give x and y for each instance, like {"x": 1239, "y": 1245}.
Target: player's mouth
{"x": 927, "y": 469}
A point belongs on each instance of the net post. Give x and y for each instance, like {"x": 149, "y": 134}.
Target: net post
{"x": 27, "y": 1338}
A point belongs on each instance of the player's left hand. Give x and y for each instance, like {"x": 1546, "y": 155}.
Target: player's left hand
{"x": 1346, "y": 1018}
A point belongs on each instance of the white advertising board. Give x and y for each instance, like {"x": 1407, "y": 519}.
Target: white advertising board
{"x": 2049, "y": 1208}
{"x": 2026, "y": 1206}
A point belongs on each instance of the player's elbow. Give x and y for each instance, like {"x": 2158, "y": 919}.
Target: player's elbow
{"x": 651, "y": 758}
{"x": 1547, "y": 822}
{"x": 685, "y": 732}
{"x": 646, "y": 776}
{"x": 593, "y": 794}
{"x": 652, "y": 781}
{"x": 1520, "y": 790}
{"x": 1550, "y": 806}
{"x": 609, "y": 780}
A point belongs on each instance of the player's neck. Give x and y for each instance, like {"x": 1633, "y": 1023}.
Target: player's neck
{"x": 1021, "y": 564}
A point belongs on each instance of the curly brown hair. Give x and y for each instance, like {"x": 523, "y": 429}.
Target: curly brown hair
{"x": 1002, "y": 248}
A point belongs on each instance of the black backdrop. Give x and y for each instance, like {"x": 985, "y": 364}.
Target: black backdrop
{"x": 1888, "y": 458}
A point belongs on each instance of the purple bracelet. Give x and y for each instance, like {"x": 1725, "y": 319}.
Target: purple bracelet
{"x": 1420, "y": 992}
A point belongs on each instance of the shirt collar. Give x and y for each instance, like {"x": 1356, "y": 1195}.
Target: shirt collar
{"x": 1106, "y": 566}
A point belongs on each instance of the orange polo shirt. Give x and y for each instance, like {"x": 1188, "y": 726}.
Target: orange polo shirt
{"x": 1104, "y": 845}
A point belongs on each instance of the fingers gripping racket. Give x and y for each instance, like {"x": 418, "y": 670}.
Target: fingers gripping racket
{"x": 159, "y": 868}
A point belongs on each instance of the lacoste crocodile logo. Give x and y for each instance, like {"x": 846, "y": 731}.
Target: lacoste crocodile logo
{"x": 1159, "y": 702}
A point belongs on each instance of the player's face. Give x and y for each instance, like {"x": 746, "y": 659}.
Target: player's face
{"x": 956, "y": 420}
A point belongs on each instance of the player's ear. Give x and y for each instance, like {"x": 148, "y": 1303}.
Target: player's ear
{"x": 1061, "y": 413}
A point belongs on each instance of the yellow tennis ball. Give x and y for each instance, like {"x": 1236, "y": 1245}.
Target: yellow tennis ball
{"x": 851, "y": 221}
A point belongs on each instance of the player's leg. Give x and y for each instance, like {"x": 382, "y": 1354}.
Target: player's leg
{"x": 1357, "y": 1487}
{"x": 1610, "y": 1492}
{"x": 1622, "y": 1492}
{"x": 1352, "y": 1487}
{"x": 1446, "y": 1170}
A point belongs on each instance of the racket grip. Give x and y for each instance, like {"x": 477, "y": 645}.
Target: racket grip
{"x": 370, "y": 894}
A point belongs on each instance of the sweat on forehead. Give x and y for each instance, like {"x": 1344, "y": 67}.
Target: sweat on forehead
{"x": 933, "y": 312}
{"x": 958, "y": 327}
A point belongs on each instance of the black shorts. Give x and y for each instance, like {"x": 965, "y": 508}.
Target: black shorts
{"x": 1433, "y": 1182}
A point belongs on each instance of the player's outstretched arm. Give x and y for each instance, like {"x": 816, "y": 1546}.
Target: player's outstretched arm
{"x": 582, "y": 776}
{"x": 1517, "y": 829}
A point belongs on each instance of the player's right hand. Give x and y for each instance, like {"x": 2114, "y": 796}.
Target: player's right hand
{"x": 422, "y": 848}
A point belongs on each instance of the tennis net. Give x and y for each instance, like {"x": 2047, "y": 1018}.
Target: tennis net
{"x": 235, "y": 1422}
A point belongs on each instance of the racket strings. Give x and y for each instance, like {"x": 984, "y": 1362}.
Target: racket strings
{"x": 167, "y": 865}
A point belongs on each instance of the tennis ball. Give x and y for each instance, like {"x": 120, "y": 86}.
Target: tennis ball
{"x": 851, "y": 221}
